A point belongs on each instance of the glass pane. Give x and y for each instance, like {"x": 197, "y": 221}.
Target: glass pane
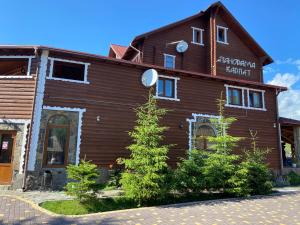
{"x": 235, "y": 96}
{"x": 169, "y": 88}
{"x": 201, "y": 132}
{"x": 256, "y": 99}
{"x": 56, "y": 147}
{"x": 160, "y": 87}
{"x": 58, "y": 119}
{"x": 221, "y": 35}
{"x": 169, "y": 60}
{"x": 6, "y": 144}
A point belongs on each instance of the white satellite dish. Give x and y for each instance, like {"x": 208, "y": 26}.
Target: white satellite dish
{"x": 182, "y": 46}
{"x": 149, "y": 77}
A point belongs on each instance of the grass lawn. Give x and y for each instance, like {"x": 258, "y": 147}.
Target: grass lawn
{"x": 74, "y": 207}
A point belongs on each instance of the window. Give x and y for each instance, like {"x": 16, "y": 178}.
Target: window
{"x": 222, "y": 35}
{"x": 166, "y": 88}
{"x": 201, "y": 129}
{"x": 57, "y": 141}
{"x": 197, "y": 36}
{"x": 67, "y": 70}
{"x": 169, "y": 61}
{"x": 15, "y": 66}
{"x": 255, "y": 99}
{"x": 235, "y": 97}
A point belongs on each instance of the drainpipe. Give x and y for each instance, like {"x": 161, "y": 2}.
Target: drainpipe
{"x": 30, "y": 126}
{"x": 279, "y": 132}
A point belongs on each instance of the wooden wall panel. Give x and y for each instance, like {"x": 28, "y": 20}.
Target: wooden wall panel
{"x": 17, "y": 95}
{"x": 114, "y": 91}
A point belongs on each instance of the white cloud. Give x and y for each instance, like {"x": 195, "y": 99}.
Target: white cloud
{"x": 288, "y": 101}
{"x": 289, "y": 104}
{"x": 286, "y": 79}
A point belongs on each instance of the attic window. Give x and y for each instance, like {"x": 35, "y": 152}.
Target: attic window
{"x": 197, "y": 36}
{"x": 15, "y": 66}
{"x": 222, "y": 35}
{"x": 68, "y": 70}
{"x": 169, "y": 61}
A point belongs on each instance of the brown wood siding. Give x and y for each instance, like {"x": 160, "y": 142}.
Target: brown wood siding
{"x": 236, "y": 49}
{"x": 196, "y": 58}
{"x": 114, "y": 91}
{"x": 17, "y": 95}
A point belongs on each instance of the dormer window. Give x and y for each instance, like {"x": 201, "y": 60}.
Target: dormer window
{"x": 169, "y": 61}
{"x": 222, "y": 35}
{"x": 197, "y": 36}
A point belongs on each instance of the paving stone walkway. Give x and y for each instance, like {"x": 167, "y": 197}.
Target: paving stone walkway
{"x": 280, "y": 209}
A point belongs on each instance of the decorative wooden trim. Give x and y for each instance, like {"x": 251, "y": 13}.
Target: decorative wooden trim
{"x": 50, "y": 76}
{"x": 39, "y": 98}
{"x": 80, "y": 118}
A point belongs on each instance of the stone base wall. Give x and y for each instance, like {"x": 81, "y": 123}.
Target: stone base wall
{"x": 18, "y": 155}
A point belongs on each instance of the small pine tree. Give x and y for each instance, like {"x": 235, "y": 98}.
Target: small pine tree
{"x": 189, "y": 173}
{"x": 146, "y": 170}
{"x": 84, "y": 184}
{"x": 220, "y": 164}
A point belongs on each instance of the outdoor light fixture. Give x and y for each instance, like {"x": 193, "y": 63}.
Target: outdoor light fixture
{"x": 98, "y": 119}
{"x": 181, "y": 125}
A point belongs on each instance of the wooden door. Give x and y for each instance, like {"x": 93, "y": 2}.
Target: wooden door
{"x": 7, "y": 144}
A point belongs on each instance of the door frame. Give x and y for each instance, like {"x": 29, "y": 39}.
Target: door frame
{"x": 14, "y": 135}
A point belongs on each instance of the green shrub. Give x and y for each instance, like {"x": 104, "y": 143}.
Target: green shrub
{"x": 188, "y": 177}
{"x": 253, "y": 176}
{"x": 293, "y": 178}
{"x": 145, "y": 175}
{"x": 84, "y": 184}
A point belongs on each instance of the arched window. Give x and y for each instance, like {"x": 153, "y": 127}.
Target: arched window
{"x": 57, "y": 141}
{"x": 202, "y": 129}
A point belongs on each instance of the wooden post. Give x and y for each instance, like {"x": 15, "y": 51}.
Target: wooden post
{"x": 297, "y": 144}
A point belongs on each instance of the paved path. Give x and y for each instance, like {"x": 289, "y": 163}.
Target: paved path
{"x": 279, "y": 209}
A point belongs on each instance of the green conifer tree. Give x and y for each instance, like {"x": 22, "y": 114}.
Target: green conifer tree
{"x": 144, "y": 178}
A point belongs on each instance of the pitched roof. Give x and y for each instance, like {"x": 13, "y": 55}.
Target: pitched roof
{"x": 119, "y": 50}
{"x": 240, "y": 30}
{"x": 289, "y": 122}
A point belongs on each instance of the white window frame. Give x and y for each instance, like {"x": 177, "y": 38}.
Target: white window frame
{"x": 80, "y": 111}
{"x": 201, "y": 36}
{"x": 50, "y": 76}
{"x": 244, "y": 106}
{"x": 175, "y": 88}
{"x": 21, "y": 76}
{"x": 165, "y": 60}
{"x": 193, "y": 120}
{"x": 263, "y": 99}
{"x": 225, "y": 35}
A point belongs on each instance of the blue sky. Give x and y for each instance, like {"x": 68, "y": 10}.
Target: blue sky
{"x": 91, "y": 25}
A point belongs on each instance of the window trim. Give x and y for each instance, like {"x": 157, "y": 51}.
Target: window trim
{"x": 21, "y": 76}
{"x": 201, "y": 36}
{"x": 174, "y": 60}
{"x": 50, "y": 75}
{"x": 243, "y": 96}
{"x": 193, "y": 120}
{"x": 225, "y": 35}
{"x": 175, "y": 88}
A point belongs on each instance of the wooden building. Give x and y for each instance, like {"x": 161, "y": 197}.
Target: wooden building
{"x": 58, "y": 106}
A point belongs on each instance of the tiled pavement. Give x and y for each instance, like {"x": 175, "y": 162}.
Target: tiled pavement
{"x": 278, "y": 209}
